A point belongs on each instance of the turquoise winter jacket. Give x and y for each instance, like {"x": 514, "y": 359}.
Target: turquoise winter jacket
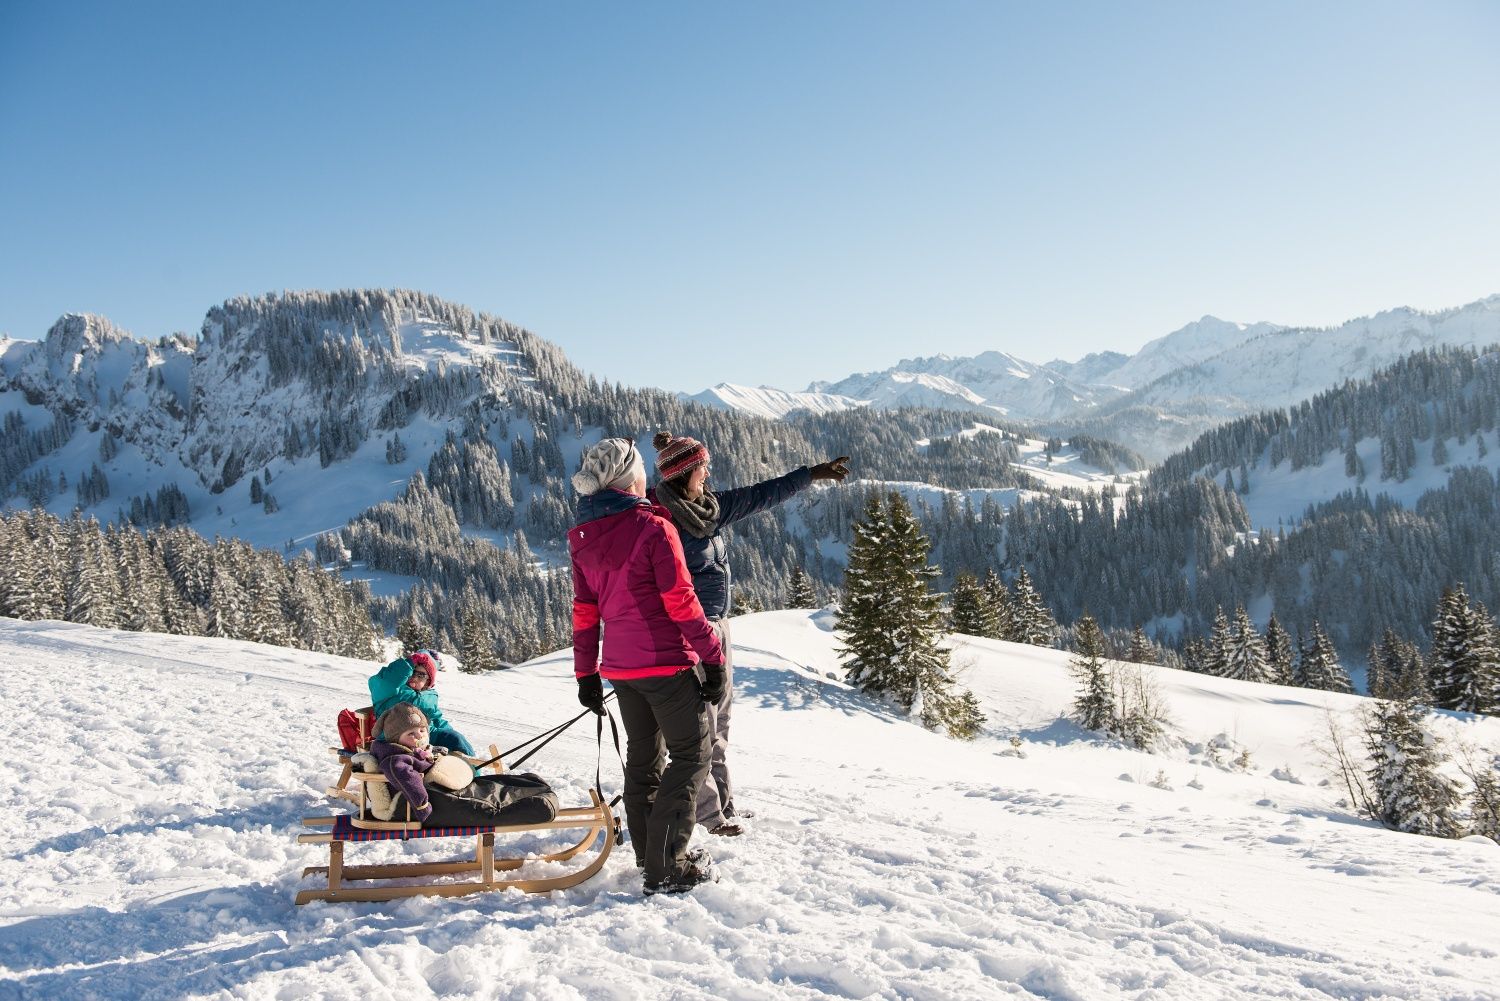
{"x": 388, "y": 686}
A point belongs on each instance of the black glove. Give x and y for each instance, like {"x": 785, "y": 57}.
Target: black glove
{"x": 713, "y": 683}
{"x": 591, "y": 693}
{"x": 833, "y": 469}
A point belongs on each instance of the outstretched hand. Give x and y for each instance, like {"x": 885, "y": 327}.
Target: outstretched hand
{"x": 833, "y": 469}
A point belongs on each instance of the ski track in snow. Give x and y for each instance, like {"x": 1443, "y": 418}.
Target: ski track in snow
{"x": 154, "y": 856}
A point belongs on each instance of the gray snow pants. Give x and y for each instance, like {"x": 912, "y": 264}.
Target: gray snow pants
{"x": 664, "y": 721}
{"x": 717, "y": 794}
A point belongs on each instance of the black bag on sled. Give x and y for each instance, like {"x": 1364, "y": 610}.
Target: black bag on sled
{"x": 493, "y": 801}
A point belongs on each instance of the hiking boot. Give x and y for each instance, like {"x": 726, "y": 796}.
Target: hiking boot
{"x": 682, "y": 881}
{"x": 728, "y": 829}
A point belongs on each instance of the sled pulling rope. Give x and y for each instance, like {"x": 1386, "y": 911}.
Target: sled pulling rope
{"x": 549, "y": 735}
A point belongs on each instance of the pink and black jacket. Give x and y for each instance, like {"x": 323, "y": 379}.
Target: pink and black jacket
{"x": 628, "y": 572}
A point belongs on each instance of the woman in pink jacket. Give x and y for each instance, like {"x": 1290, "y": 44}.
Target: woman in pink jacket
{"x": 629, "y": 576}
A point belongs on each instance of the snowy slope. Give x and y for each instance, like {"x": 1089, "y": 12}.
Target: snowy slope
{"x": 1283, "y": 495}
{"x": 155, "y": 858}
{"x": 763, "y": 401}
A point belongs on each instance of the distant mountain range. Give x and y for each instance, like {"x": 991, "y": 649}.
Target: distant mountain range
{"x": 399, "y": 435}
{"x": 1157, "y": 400}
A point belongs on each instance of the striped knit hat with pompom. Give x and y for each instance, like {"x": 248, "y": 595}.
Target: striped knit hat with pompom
{"x": 675, "y": 456}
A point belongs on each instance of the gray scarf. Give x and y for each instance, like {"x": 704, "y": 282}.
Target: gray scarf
{"x": 698, "y": 518}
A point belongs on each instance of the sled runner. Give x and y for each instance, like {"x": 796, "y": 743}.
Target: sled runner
{"x": 379, "y": 817}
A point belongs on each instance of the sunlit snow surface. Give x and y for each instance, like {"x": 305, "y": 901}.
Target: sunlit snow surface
{"x": 157, "y": 783}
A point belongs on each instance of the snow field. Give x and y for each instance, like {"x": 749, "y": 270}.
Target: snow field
{"x": 153, "y": 855}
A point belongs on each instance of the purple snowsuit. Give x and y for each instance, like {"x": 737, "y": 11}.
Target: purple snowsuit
{"x": 404, "y": 769}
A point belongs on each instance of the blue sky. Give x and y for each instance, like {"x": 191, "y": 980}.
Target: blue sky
{"x": 683, "y": 194}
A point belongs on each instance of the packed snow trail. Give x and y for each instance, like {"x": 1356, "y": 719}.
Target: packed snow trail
{"x": 154, "y": 855}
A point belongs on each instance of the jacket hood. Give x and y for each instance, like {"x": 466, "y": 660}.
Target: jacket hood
{"x": 592, "y": 507}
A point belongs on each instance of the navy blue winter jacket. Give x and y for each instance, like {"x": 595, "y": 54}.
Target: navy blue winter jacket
{"x": 708, "y": 559}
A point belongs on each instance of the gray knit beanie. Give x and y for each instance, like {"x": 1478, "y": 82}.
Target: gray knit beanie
{"x": 614, "y": 462}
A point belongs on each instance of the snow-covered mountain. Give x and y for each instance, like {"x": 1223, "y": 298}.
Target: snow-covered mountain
{"x": 157, "y": 859}
{"x": 1091, "y": 368}
{"x": 1187, "y": 346}
{"x": 989, "y": 381}
{"x": 772, "y": 404}
{"x": 1177, "y": 386}
{"x": 278, "y": 388}
{"x": 1287, "y": 365}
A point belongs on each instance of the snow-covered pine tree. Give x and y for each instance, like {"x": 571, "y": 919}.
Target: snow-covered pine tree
{"x": 1484, "y": 800}
{"x": 892, "y": 622}
{"x": 413, "y": 635}
{"x": 965, "y": 719}
{"x": 999, "y": 598}
{"x": 800, "y": 592}
{"x": 140, "y": 580}
{"x": 1194, "y": 654}
{"x": 1094, "y": 705}
{"x": 866, "y": 615}
{"x": 1279, "y": 658}
{"x": 970, "y": 611}
{"x": 1142, "y": 650}
{"x": 226, "y": 599}
{"x": 264, "y": 622}
{"x": 1030, "y": 619}
{"x": 1319, "y": 667}
{"x": 1245, "y": 656}
{"x": 1409, "y": 790}
{"x": 476, "y": 647}
{"x": 90, "y": 589}
{"x": 1406, "y": 670}
{"x": 1465, "y": 655}
{"x": 1216, "y": 647}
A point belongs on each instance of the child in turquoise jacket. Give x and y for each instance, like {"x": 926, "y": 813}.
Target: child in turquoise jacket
{"x": 413, "y": 679}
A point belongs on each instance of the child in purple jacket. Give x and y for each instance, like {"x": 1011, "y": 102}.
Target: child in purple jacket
{"x": 400, "y": 747}
{"x": 405, "y": 758}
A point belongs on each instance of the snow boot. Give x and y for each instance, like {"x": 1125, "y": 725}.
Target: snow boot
{"x": 728, "y": 829}
{"x": 694, "y": 856}
{"x": 684, "y": 880}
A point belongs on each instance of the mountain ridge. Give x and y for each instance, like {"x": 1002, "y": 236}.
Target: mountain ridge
{"x": 1202, "y": 374}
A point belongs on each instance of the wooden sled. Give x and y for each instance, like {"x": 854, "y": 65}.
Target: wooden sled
{"x": 596, "y": 819}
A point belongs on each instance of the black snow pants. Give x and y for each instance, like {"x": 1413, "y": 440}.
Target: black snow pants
{"x": 663, "y": 717}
